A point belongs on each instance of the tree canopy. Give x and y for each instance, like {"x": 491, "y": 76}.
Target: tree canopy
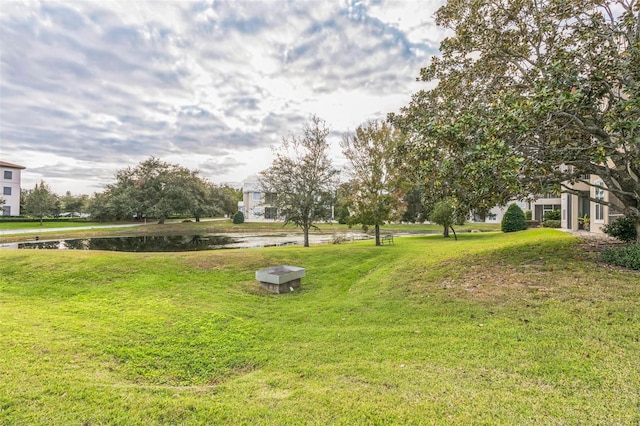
{"x": 444, "y": 213}
{"x": 302, "y": 177}
{"x": 530, "y": 95}
{"x": 375, "y": 184}
{"x": 157, "y": 189}
{"x": 40, "y": 201}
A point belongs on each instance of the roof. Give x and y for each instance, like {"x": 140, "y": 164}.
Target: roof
{"x": 251, "y": 187}
{"x": 11, "y": 165}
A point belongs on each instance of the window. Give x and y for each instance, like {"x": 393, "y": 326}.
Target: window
{"x": 270, "y": 213}
{"x": 270, "y": 198}
{"x": 6, "y": 210}
{"x": 546, "y": 208}
{"x": 256, "y": 196}
{"x": 599, "y": 195}
{"x": 6, "y": 190}
{"x": 8, "y": 174}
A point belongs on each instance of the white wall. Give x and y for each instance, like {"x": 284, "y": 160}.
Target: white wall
{"x": 10, "y": 185}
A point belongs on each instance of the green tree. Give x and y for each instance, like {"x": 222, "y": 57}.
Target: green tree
{"x": 153, "y": 189}
{"x": 375, "y": 185}
{"x": 74, "y": 203}
{"x": 415, "y": 210}
{"x": 452, "y": 158}
{"x": 302, "y": 177}
{"x": 225, "y": 199}
{"x": 550, "y": 87}
{"x": 342, "y": 203}
{"x": 40, "y": 201}
{"x": 444, "y": 213}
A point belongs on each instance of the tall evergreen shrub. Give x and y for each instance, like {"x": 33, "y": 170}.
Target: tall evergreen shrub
{"x": 238, "y": 218}
{"x": 513, "y": 219}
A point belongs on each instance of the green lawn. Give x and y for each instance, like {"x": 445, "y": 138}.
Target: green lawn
{"x": 521, "y": 328}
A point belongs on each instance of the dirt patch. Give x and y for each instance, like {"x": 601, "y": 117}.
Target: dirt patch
{"x": 596, "y": 244}
{"x": 480, "y": 282}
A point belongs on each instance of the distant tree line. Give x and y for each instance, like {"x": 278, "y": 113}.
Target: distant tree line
{"x": 153, "y": 190}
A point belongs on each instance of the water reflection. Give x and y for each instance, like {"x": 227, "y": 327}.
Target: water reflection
{"x": 137, "y": 244}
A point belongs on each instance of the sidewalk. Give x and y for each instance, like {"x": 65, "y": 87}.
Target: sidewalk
{"x": 71, "y": 228}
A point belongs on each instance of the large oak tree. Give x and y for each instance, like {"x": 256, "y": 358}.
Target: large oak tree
{"x": 538, "y": 93}
{"x": 156, "y": 189}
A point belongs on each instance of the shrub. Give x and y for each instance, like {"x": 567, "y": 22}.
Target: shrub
{"x": 552, "y": 215}
{"x": 238, "y": 218}
{"x": 513, "y": 219}
{"x": 532, "y": 224}
{"x": 528, "y": 215}
{"x": 548, "y": 223}
{"x": 623, "y": 228}
{"x": 626, "y": 256}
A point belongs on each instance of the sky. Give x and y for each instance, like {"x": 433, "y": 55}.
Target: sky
{"x": 88, "y": 88}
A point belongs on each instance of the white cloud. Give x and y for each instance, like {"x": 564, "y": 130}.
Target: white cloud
{"x": 92, "y": 87}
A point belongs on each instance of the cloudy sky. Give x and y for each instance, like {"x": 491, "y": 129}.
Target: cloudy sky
{"x": 91, "y": 87}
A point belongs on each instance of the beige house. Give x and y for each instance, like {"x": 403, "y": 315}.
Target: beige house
{"x": 256, "y": 205}
{"x": 576, "y": 207}
{"x": 10, "y": 180}
{"x": 578, "y": 211}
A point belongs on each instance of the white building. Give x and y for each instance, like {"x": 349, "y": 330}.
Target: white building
{"x": 255, "y": 204}
{"x": 10, "y": 183}
{"x": 578, "y": 211}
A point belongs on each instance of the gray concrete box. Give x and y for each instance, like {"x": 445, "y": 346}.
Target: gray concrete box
{"x": 280, "y": 279}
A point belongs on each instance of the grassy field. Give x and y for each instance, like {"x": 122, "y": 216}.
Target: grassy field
{"x": 521, "y": 328}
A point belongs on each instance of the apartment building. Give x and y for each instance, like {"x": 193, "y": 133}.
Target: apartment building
{"x": 10, "y": 182}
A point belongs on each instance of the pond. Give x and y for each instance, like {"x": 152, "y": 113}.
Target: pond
{"x": 161, "y": 243}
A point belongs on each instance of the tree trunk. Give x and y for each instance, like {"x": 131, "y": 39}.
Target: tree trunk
{"x": 377, "y": 234}
{"x": 454, "y": 233}
{"x": 161, "y": 220}
{"x": 305, "y": 229}
{"x": 445, "y": 233}
{"x": 638, "y": 230}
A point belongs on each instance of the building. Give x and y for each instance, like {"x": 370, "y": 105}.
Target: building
{"x": 10, "y": 180}
{"x": 496, "y": 214}
{"x": 578, "y": 209}
{"x": 580, "y": 212}
{"x": 255, "y": 204}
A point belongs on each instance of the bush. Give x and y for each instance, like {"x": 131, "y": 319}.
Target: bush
{"x": 552, "y": 215}
{"x": 626, "y": 256}
{"x": 238, "y": 218}
{"x": 513, "y": 219}
{"x": 623, "y": 228}
{"x": 528, "y": 215}
{"x": 551, "y": 223}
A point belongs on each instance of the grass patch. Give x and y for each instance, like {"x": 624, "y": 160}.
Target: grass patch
{"x": 519, "y": 328}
